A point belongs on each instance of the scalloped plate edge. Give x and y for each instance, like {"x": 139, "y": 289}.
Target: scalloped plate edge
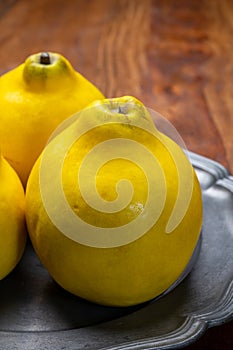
{"x": 210, "y": 166}
{"x": 191, "y": 330}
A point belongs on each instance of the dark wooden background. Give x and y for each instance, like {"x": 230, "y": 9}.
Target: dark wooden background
{"x": 176, "y": 56}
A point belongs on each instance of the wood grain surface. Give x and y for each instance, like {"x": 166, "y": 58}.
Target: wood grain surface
{"x": 175, "y": 56}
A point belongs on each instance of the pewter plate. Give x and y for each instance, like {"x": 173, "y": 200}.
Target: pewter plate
{"x": 35, "y": 313}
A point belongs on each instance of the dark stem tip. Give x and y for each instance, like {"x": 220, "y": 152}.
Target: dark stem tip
{"x": 45, "y": 58}
{"x": 121, "y": 110}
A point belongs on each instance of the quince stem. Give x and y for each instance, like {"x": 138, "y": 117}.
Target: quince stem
{"x": 45, "y": 58}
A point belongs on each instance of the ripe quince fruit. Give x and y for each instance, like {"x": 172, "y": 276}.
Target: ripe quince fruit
{"x": 12, "y": 219}
{"x": 113, "y": 206}
{"x": 35, "y": 98}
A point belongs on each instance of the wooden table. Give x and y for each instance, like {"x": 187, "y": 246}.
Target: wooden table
{"x": 175, "y": 56}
